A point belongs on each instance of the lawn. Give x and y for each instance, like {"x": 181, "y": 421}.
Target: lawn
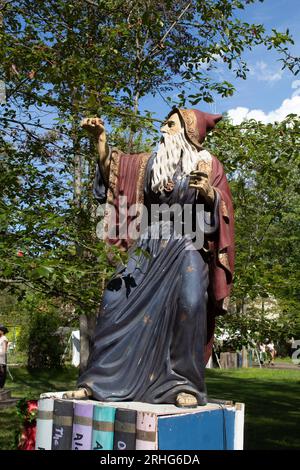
{"x": 271, "y": 397}
{"x": 30, "y": 385}
{"x": 272, "y": 404}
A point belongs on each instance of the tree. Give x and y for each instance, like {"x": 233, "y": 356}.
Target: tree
{"x": 40, "y": 335}
{"x": 263, "y": 164}
{"x": 62, "y": 61}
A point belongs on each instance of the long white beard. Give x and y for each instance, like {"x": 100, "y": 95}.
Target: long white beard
{"x": 167, "y": 158}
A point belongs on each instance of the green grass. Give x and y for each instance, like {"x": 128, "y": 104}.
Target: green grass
{"x": 272, "y": 404}
{"x": 30, "y": 385}
{"x": 271, "y": 397}
{"x": 284, "y": 359}
{"x": 17, "y": 357}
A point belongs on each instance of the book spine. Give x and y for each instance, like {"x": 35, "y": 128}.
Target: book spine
{"x": 44, "y": 424}
{"x": 125, "y": 429}
{"x": 62, "y": 425}
{"x": 146, "y": 431}
{"x": 82, "y": 426}
{"x": 103, "y": 428}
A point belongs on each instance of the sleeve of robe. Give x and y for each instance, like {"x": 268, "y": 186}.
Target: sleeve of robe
{"x": 125, "y": 179}
{"x": 222, "y": 250}
{"x": 223, "y": 246}
{"x": 100, "y": 185}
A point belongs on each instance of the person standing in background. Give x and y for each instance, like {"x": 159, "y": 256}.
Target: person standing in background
{"x": 271, "y": 352}
{"x": 3, "y": 353}
{"x": 262, "y": 353}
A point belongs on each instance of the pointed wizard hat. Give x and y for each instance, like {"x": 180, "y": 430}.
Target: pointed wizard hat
{"x": 196, "y": 123}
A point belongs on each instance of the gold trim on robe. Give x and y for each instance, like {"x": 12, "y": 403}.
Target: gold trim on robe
{"x": 113, "y": 175}
{"x": 224, "y": 261}
{"x": 144, "y": 157}
{"x": 226, "y": 302}
{"x": 111, "y": 190}
{"x": 191, "y": 127}
{"x": 224, "y": 211}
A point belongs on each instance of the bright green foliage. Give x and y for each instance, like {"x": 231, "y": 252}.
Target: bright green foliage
{"x": 40, "y": 334}
{"x": 263, "y": 164}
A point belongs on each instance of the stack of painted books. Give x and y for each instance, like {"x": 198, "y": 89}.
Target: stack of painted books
{"x": 92, "y": 425}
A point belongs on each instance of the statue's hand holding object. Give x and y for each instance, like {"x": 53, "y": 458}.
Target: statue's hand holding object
{"x": 199, "y": 181}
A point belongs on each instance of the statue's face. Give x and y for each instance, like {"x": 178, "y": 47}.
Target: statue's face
{"x": 172, "y": 125}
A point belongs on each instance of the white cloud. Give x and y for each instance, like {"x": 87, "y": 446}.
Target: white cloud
{"x": 206, "y": 64}
{"x": 261, "y": 71}
{"x": 296, "y": 84}
{"x": 288, "y": 106}
{"x": 296, "y": 87}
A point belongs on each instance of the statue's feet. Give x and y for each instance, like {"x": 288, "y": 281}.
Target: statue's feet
{"x": 93, "y": 125}
{"x": 186, "y": 400}
{"x": 78, "y": 394}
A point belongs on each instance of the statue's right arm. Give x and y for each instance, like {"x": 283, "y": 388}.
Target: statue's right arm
{"x": 104, "y": 156}
{"x": 95, "y": 127}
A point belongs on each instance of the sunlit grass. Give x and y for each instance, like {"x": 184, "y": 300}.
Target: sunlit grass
{"x": 30, "y": 385}
{"x": 272, "y": 404}
{"x": 271, "y": 397}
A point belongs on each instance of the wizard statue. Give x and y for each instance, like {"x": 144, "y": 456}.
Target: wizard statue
{"x": 155, "y": 327}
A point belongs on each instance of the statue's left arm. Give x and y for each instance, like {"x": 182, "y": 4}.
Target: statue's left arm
{"x": 223, "y": 246}
{"x": 212, "y": 187}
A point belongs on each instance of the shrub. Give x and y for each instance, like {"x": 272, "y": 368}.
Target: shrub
{"x": 40, "y": 338}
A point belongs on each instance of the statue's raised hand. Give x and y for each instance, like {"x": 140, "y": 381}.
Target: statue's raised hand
{"x": 94, "y": 125}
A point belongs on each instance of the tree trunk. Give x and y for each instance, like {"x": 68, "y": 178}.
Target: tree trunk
{"x": 2, "y": 82}
{"x": 87, "y": 326}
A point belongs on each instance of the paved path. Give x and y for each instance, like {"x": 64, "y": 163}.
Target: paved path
{"x": 282, "y": 365}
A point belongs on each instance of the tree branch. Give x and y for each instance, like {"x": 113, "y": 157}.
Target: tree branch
{"x": 90, "y": 2}
{"x": 12, "y": 281}
{"x": 170, "y": 29}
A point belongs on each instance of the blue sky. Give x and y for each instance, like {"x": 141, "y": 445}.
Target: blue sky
{"x": 269, "y": 93}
